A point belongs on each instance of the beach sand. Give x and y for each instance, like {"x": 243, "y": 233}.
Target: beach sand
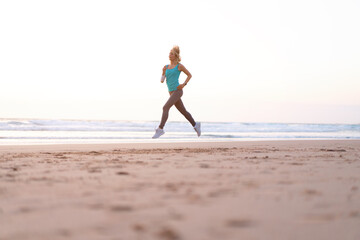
{"x": 196, "y": 191}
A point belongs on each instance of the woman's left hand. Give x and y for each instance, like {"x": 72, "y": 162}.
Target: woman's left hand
{"x": 181, "y": 86}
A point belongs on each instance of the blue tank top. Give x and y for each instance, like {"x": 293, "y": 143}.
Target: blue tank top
{"x": 172, "y": 78}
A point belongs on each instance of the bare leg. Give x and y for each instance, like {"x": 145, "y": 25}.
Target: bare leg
{"x": 180, "y": 106}
{"x": 174, "y": 97}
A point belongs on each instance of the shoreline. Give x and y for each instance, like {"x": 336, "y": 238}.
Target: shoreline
{"x": 168, "y": 145}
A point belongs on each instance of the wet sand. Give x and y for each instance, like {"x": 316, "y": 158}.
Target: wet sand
{"x": 235, "y": 190}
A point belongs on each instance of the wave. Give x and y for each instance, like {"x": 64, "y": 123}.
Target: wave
{"x": 148, "y": 126}
{"x": 17, "y": 131}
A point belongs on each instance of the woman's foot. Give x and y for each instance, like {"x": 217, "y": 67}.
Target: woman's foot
{"x": 197, "y": 128}
{"x": 158, "y": 133}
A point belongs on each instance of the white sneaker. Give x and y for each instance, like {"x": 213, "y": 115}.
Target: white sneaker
{"x": 197, "y": 129}
{"x": 158, "y": 133}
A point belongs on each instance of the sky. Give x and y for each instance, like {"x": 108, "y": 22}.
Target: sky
{"x": 251, "y": 61}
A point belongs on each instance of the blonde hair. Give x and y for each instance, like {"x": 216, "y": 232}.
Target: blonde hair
{"x": 176, "y": 51}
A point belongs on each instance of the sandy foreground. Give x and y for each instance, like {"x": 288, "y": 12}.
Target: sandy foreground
{"x": 195, "y": 191}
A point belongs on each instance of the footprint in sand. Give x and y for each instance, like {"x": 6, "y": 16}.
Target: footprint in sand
{"x": 324, "y": 217}
{"x": 240, "y": 223}
{"x": 220, "y": 192}
{"x": 25, "y": 209}
{"x": 95, "y": 153}
{"x": 94, "y": 170}
{"x": 15, "y": 169}
{"x": 139, "y": 228}
{"x": 204, "y": 165}
{"x": 168, "y": 233}
{"x": 311, "y": 192}
{"x": 64, "y": 232}
{"x": 172, "y": 187}
{"x": 332, "y": 150}
{"x": 250, "y": 184}
{"x": 121, "y": 208}
{"x": 354, "y": 214}
{"x": 297, "y": 163}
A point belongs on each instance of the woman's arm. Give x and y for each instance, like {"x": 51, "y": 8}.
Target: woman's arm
{"x": 188, "y": 74}
{"x": 163, "y": 74}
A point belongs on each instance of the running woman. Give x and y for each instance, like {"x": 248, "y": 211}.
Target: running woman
{"x": 171, "y": 73}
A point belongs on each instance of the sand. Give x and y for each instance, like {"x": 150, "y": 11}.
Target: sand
{"x": 195, "y": 191}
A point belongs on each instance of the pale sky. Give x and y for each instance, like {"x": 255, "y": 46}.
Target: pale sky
{"x": 251, "y": 61}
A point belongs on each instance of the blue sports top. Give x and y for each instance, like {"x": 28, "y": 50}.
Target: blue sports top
{"x": 172, "y": 78}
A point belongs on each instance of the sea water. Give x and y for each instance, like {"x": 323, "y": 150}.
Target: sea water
{"x": 36, "y": 131}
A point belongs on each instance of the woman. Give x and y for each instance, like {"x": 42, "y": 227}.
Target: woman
{"x": 171, "y": 73}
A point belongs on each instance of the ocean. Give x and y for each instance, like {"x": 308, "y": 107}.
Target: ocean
{"x": 41, "y": 131}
